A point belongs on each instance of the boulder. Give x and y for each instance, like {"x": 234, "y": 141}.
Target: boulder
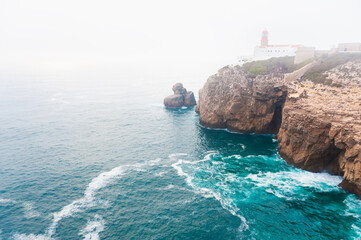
{"x": 180, "y": 98}
{"x": 189, "y": 100}
{"x": 174, "y": 101}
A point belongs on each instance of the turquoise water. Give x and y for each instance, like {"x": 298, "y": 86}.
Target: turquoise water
{"x": 107, "y": 161}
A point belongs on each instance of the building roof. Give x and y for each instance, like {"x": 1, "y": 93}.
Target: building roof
{"x": 284, "y": 45}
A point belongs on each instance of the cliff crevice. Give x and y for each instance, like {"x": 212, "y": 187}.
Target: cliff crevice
{"x": 315, "y": 110}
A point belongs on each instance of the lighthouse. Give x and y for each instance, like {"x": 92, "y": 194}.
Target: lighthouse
{"x": 264, "y": 39}
{"x": 266, "y": 51}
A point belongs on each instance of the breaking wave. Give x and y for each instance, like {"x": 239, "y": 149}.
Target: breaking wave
{"x": 88, "y": 200}
{"x": 226, "y": 203}
{"x": 236, "y": 180}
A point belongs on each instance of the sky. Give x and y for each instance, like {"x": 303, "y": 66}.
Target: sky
{"x": 162, "y": 35}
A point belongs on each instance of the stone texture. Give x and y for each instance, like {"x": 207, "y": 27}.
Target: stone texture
{"x": 232, "y": 100}
{"x": 180, "y": 97}
{"x": 189, "y": 100}
{"x": 174, "y": 101}
{"x": 321, "y": 126}
{"x": 318, "y": 126}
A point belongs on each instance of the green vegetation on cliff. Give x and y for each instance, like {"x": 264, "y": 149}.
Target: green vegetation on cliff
{"x": 273, "y": 65}
{"x": 317, "y": 73}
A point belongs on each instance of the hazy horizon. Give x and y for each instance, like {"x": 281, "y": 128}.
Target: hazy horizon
{"x": 160, "y": 37}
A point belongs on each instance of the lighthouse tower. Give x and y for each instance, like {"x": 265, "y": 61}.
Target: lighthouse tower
{"x": 264, "y": 39}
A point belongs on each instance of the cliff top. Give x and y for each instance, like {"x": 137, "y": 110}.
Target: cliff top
{"x": 279, "y": 65}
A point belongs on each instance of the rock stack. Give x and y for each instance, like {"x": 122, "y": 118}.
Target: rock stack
{"x": 180, "y": 98}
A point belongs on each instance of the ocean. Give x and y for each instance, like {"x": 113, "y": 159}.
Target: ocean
{"x": 103, "y": 159}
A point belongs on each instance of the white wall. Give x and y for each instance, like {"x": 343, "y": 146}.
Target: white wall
{"x": 262, "y": 53}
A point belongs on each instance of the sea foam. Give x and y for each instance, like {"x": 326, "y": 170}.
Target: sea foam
{"x": 225, "y": 202}
{"x": 88, "y": 200}
{"x": 93, "y": 228}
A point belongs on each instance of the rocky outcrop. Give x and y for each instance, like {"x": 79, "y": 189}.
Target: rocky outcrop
{"x": 321, "y": 126}
{"x": 315, "y": 112}
{"x": 232, "y": 100}
{"x": 180, "y": 98}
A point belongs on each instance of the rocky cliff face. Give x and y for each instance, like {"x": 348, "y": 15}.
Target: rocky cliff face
{"x": 315, "y": 112}
{"x": 321, "y": 125}
{"x": 232, "y": 100}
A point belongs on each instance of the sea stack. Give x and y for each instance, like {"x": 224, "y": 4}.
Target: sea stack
{"x": 180, "y": 98}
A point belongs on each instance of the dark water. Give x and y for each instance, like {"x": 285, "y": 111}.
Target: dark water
{"x": 80, "y": 161}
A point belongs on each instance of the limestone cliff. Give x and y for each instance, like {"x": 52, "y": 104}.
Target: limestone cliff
{"x": 321, "y": 125}
{"x": 232, "y": 100}
{"x": 315, "y": 110}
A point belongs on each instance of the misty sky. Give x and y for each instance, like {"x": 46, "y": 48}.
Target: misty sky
{"x": 63, "y": 35}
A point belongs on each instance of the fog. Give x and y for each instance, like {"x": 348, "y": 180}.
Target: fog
{"x": 159, "y": 37}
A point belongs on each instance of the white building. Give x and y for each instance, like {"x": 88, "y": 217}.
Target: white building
{"x": 265, "y": 51}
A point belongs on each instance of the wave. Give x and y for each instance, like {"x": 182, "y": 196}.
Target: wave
{"x": 88, "y": 200}
{"x": 7, "y": 201}
{"x": 28, "y": 207}
{"x": 226, "y": 203}
{"x": 228, "y": 180}
{"x": 93, "y": 228}
{"x": 29, "y": 210}
{"x": 79, "y": 205}
{"x": 31, "y": 237}
{"x": 286, "y": 180}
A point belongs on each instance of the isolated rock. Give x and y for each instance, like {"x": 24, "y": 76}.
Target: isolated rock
{"x": 180, "y": 97}
{"x": 174, "y": 101}
{"x": 189, "y": 100}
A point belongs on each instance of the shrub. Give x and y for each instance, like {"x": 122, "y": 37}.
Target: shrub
{"x": 273, "y": 65}
{"x": 317, "y": 73}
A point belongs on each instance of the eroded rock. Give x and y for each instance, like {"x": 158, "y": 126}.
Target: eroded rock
{"x": 232, "y": 100}
{"x": 318, "y": 123}
{"x": 180, "y": 98}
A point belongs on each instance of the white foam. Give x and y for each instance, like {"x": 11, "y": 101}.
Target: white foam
{"x": 154, "y": 162}
{"x": 7, "y": 201}
{"x": 97, "y": 183}
{"x": 208, "y": 193}
{"x": 93, "y": 228}
{"x": 170, "y": 186}
{"x": 357, "y": 230}
{"x": 29, "y": 210}
{"x": 31, "y": 237}
{"x": 87, "y": 200}
{"x": 353, "y": 206}
{"x": 160, "y": 174}
{"x": 286, "y": 182}
{"x": 174, "y": 155}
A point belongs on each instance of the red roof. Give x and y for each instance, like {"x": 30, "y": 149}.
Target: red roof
{"x": 285, "y": 45}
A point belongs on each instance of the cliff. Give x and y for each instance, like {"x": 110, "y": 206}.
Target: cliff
{"x": 232, "y": 100}
{"x": 315, "y": 110}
